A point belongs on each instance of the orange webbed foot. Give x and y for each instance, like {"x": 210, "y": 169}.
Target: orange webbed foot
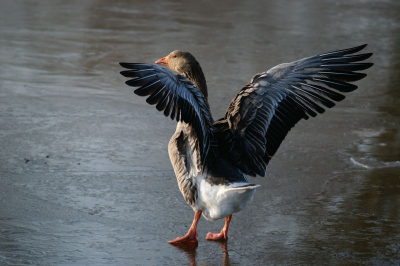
{"x": 189, "y": 238}
{"x": 222, "y": 236}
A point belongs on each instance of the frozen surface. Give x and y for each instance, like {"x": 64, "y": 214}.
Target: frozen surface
{"x": 85, "y": 177}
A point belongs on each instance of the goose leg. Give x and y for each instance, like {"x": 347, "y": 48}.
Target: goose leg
{"x": 191, "y": 235}
{"x": 223, "y": 235}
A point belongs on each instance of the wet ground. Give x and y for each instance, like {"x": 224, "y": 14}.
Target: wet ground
{"x": 85, "y": 177}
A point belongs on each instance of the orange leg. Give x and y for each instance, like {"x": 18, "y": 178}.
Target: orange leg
{"x": 191, "y": 235}
{"x": 223, "y": 235}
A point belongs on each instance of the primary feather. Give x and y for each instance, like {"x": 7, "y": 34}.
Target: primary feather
{"x": 263, "y": 112}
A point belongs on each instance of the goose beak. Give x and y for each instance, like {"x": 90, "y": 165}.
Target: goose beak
{"x": 162, "y": 61}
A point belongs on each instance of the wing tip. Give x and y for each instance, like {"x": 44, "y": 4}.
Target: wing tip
{"x": 343, "y": 52}
{"x": 356, "y": 49}
{"x": 125, "y": 73}
{"x": 131, "y": 83}
{"x": 133, "y": 65}
{"x": 367, "y": 55}
{"x": 124, "y": 64}
{"x": 369, "y": 64}
{"x": 362, "y": 46}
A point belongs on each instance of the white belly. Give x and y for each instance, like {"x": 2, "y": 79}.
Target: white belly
{"x": 219, "y": 201}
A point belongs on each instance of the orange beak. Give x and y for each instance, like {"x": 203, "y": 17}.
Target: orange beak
{"x": 163, "y": 61}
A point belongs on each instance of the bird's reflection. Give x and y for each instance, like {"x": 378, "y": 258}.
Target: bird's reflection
{"x": 191, "y": 252}
{"x": 224, "y": 247}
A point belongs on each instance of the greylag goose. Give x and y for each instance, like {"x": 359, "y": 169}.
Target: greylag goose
{"x": 213, "y": 159}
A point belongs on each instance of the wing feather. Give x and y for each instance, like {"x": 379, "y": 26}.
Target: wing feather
{"x": 174, "y": 95}
{"x": 264, "y": 111}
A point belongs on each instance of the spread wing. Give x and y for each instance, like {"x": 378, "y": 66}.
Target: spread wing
{"x": 264, "y": 111}
{"x": 175, "y": 95}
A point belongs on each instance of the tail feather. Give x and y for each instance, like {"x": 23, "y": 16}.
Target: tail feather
{"x": 244, "y": 187}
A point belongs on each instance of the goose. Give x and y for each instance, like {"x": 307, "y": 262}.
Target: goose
{"x": 213, "y": 160}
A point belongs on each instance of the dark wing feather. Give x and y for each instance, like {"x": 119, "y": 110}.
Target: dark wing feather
{"x": 264, "y": 111}
{"x": 174, "y": 95}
